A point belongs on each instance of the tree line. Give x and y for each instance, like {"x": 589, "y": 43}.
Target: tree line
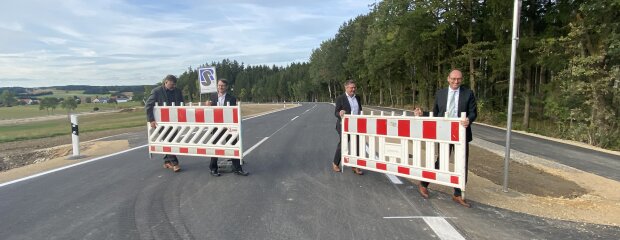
{"x": 400, "y": 53}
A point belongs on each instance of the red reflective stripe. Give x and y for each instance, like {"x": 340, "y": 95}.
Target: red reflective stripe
{"x": 152, "y": 148}
{"x": 455, "y": 131}
{"x": 200, "y": 115}
{"x": 361, "y": 162}
{"x": 235, "y": 117}
{"x": 361, "y": 125}
{"x": 429, "y": 175}
{"x": 429, "y": 129}
{"x": 403, "y": 128}
{"x": 167, "y": 149}
{"x": 403, "y": 170}
{"x": 382, "y": 126}
{"x": 236, "y": 153}
{"x": 183, "y": 150}
{"x": 201, "y": 151}
{"x": 454, "y": 179}
{"x": 181, "y": 115}
{"x": 218, "y": 115}
{"x": 346, "y": 125}
{"x": 165, "y": 114}
{"x": 381, "y": 166}
{"x": 220, "y": 152}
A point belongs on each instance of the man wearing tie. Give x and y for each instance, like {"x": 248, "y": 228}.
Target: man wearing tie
{"x": 453, "y": 100}
{"x": 347, "y": 103}
{"x": 223, "y": 98}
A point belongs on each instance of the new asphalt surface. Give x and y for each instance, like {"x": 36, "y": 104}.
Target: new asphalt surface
{"x": 291, "y": 193}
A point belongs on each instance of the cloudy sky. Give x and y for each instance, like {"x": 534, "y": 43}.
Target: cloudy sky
{"x": 126, "y": 42}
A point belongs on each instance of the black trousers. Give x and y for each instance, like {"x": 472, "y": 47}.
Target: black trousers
{"x": 171, "y": 159}
{"x": 338, "y": 153}
{"x": 457, "y": 191}
{"x": 235, "y": 162}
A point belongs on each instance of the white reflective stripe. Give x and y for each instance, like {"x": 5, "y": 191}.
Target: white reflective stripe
{"x": 415, "y": 129}
{"x": 229, "y": 152}
{"x": 442, "y": 177}
{"x": 416, "y": 172}
{"x": 157, "y": 114}
{"x": 228, "y": 115}
{"x": 190, "y": 115}
{"x": 371, "y": 125}
{"x": 193, "y": 151}
{"x": 173, "y": 114}
{"x": 392, "y": 127}
{"x": 209, "y": 115}
{"x": 352, "y": 124}
{"x": 444, "y": 130}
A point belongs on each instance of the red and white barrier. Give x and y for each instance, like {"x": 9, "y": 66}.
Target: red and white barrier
{"x": 394, "y": 145}
{"x": 209, "y": 131}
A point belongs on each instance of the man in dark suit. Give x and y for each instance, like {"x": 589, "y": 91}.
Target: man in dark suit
{"x": 452, "y": 101}
{"x": 167, "y": 93}
{"x": 223, "y": 98}
{"x": 347, "y": 103}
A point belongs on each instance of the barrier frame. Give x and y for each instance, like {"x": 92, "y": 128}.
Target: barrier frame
{"x": 197, "y": 124}
{"x": 356, "y": 127}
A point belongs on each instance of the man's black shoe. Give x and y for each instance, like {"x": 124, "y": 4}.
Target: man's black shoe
{"x": 215, "y": 173}
{"x": 242, "y": 173}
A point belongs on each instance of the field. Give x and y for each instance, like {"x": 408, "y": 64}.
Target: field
{"x": 92, "y": 122}
{"x": 30, "y": 111}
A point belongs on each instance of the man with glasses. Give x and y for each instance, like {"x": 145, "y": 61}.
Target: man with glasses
{"x": 223, "y": 98}
{"x": 453, "y": 100}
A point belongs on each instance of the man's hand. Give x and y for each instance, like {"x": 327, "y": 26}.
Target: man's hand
{"x": 208, "y": 103}
{"x": 417, "y": 112}
{"x": 153, "y": 124}
{"x": 465, "y": 122}
{"x": 342, "y": 112}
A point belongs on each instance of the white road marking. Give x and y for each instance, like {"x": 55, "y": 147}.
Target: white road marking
{"x": 393, "y": 178}
{"x": 442, "y": 228}
{"x": 255, "y": 146}
{"x": 294, "y": 118}
{"x": 410, "y": 217}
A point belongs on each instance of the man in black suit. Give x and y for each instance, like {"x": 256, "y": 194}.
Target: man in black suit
{"x": 452, "y": 101}
{"x": 223, "y": 98}
{"x": 347, "y": 103}
{"x": 167, "y": 93}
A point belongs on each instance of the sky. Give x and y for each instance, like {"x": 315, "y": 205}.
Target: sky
{"x": 123, "y": 42}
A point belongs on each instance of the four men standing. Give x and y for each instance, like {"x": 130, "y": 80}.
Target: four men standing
{"x": 451, "y": 100}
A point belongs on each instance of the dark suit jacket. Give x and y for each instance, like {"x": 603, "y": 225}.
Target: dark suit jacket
{"x": 228, "y": 98}
{"x": 467, "y": 104}
{"x": 159, "y": 96}
{"x": 342, "y": 103}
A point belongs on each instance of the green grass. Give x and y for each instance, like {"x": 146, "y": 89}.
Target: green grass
{"x": 63, "y": 94}
{"x": 88, "y": 123}
{"x": 29, "y": 111}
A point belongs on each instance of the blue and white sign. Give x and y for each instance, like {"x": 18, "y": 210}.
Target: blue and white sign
{"x": 208, "y": 80}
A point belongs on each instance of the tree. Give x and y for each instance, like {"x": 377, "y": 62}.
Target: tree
{"x": 69, "y": 104}
{"x": 47, "y": 103}
{"x": 7, "y": 98}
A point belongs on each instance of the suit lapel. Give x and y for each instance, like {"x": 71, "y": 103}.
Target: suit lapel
{"x": 463, "y": 96}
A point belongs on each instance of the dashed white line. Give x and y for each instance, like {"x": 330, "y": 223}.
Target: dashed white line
{"x": 442, "y": 228}
{"x": 393, "y": 179}
{"x": 294, "y": 118}
{"x": 255, "y": 146}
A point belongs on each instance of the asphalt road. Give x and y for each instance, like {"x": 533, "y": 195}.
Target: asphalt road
{"x": 291, "y": 193}
{"x": 592, "y": 161}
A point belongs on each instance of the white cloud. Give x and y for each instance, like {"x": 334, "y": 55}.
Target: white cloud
{"x": 93, "y": 42}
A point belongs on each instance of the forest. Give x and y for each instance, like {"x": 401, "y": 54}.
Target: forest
{"x": 400, "y": 53}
